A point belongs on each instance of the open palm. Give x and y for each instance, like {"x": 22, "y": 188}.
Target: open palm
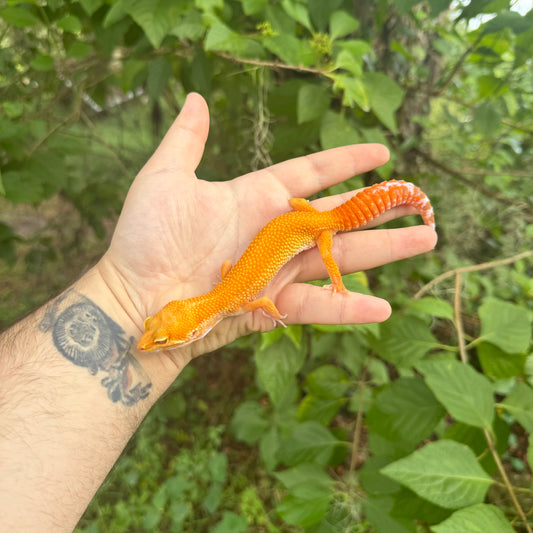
{"x": 175, "y": 231}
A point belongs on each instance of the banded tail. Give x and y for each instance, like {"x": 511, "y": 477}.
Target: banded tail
{"x": 368, "y": 203}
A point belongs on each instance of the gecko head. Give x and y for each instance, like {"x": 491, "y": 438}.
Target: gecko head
{"x": 174, "y": 326}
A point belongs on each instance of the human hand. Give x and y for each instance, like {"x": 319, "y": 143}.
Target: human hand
{"x": 175, "y": 232}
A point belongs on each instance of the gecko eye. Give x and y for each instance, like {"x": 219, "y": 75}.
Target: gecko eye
{"x": 161, "y": 340}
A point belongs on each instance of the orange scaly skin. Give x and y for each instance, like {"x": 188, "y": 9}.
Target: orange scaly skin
{"x": 181, "y": 322}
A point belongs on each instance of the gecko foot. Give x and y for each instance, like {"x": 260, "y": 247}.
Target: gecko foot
{"x": 276, "y": 320}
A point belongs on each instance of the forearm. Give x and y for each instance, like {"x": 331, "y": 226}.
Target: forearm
{"x": 71, "y": 395}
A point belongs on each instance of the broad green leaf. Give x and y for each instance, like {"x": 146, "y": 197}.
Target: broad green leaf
{"x": 90, "y": 6}
{"x": 251, "y": 7}
{"x": 519, "y": 404}
{"x": 347, "y": 61}
{"x": 313, "y": 102}
{"x": 486, "y": 120}
{"x": 354, "y": 90}
{"x": 298, "y": 12}
{"x": 407, "y": 504}
{"x": 406, "y": 410}
{"x": 159, "y": 72}
{"x": 230, "y": 523}
{"x": 444, "y": 472}
{"x": 385, "y": 97}
{"x": 42, "y": 62}
{"x": 155, "y": 18}
{"x": 320, "y": 12}
{"x": 249, "y": 423}
{"x": 341, "y": 24}
{"x": 404, "y": 340}
{"x": 530, "y": 454}
{"x": 18, "y": 16}
{"x": 328, "y": 381}
{"x": 310, "y": 492}
{"x": 498, "y": 364}
{"x": 506, "y": 325}
{"x": 433, "y": 306}
{"x": 277, "y": 367}
{"x": 289, "y": 49}
{"x": 507, "y": 19}
{"x": 221, "y": 37}
{"x": 70, "y": 23}
{"x": 378, "y": 512}
{"x": 268, "y": 448}
{"x": 465, "y": 393}
{"x": 318, "y": 408}
{"x": 79, "y": 50}
{"x": 480, "y": 518}
{"x": 336, "y": 130}
{"x": 309, "y": 442}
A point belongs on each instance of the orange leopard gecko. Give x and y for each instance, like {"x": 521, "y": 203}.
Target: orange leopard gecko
{"x": 181, "y": 322}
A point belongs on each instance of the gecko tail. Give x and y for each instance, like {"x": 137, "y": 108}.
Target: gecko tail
{"x": 372, "y": 201}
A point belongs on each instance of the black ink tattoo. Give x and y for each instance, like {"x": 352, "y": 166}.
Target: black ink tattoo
{"x": 86, "y": 336}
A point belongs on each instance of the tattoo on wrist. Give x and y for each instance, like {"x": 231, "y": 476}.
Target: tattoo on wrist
{"x": 87, "y": 337}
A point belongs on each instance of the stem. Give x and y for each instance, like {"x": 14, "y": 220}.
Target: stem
{"x": 506, "y": 481}
{"x": 458, "y": 319}
{"x": 358, "y": 421}
{"x": 471, "y": 268}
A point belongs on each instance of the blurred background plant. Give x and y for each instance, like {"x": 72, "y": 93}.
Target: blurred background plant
{"x": 417, "y": 424}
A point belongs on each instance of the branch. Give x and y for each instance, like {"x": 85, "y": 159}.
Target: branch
{"x": 487, "y": 191}
{"x": 272, "y": 64}
{"x": 471, "y": 268}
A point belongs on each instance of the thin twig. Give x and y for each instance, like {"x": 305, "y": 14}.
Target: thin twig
{"x": 272, "y": 64}
{"x": 471, "y": 268}
{"x": 358, "y": 421}
{"x": 506, "y": 481}
{"x": 458, "y": 319}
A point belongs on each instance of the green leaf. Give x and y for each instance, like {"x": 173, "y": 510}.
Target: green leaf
{"x": 433, "y": 306}
{"x": 90, "y": 6}
{"x": 248, "y": 423}
{"x": 385, "y": 97}
{"x": 444, "y": 472}
{"x": 221, "y": 37}
{"x": 465, "y": 393}
{"x": 506, "y": 325}
{"x": 378, "y": 512}
{"x": 277, "y": 367}
{"x": 155, "y": 18}
{"x": 341, "y": 24}
{"x": 159, "y": 72}
{"x": 486, "y": 120}
{"x": 309, "y": 442}
{"x": 268, "y": 448}
{"x": 403, "y": 340}
{"x": 336, "y": 130}
{"x": 42, "y": 62}
{"x": 480, "y": 518}
{"x": 313, "y": 102}
{"x": 298, "y": 12}
{"x": 70, "y": 23}
{"x": 320, "y": 12}
{"x": 310, "y": 492}
{"x": 319, "y": 409}
{"x": 519, "y": 403}
{"x": 354, "y": 91}
{"x": 498, "y": 364}
{"x": 18, "y": 16}
{"x": 79, "y": 50}
{"x": 230, "y": 523}
{"x": 406, "y": 410}
{"x": 328, "y": 381}
{"x": 251, "y": 7}
{"x": 289, "y": 49}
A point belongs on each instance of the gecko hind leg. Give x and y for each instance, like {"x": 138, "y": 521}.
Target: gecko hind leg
{"x": 325, "y": 243}
{"x": 268, "y": 308}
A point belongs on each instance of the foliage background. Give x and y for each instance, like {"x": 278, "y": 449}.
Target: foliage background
{"x": 418, "y": 424}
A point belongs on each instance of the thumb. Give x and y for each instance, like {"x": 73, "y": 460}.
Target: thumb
{"x": 183, "y": 145}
